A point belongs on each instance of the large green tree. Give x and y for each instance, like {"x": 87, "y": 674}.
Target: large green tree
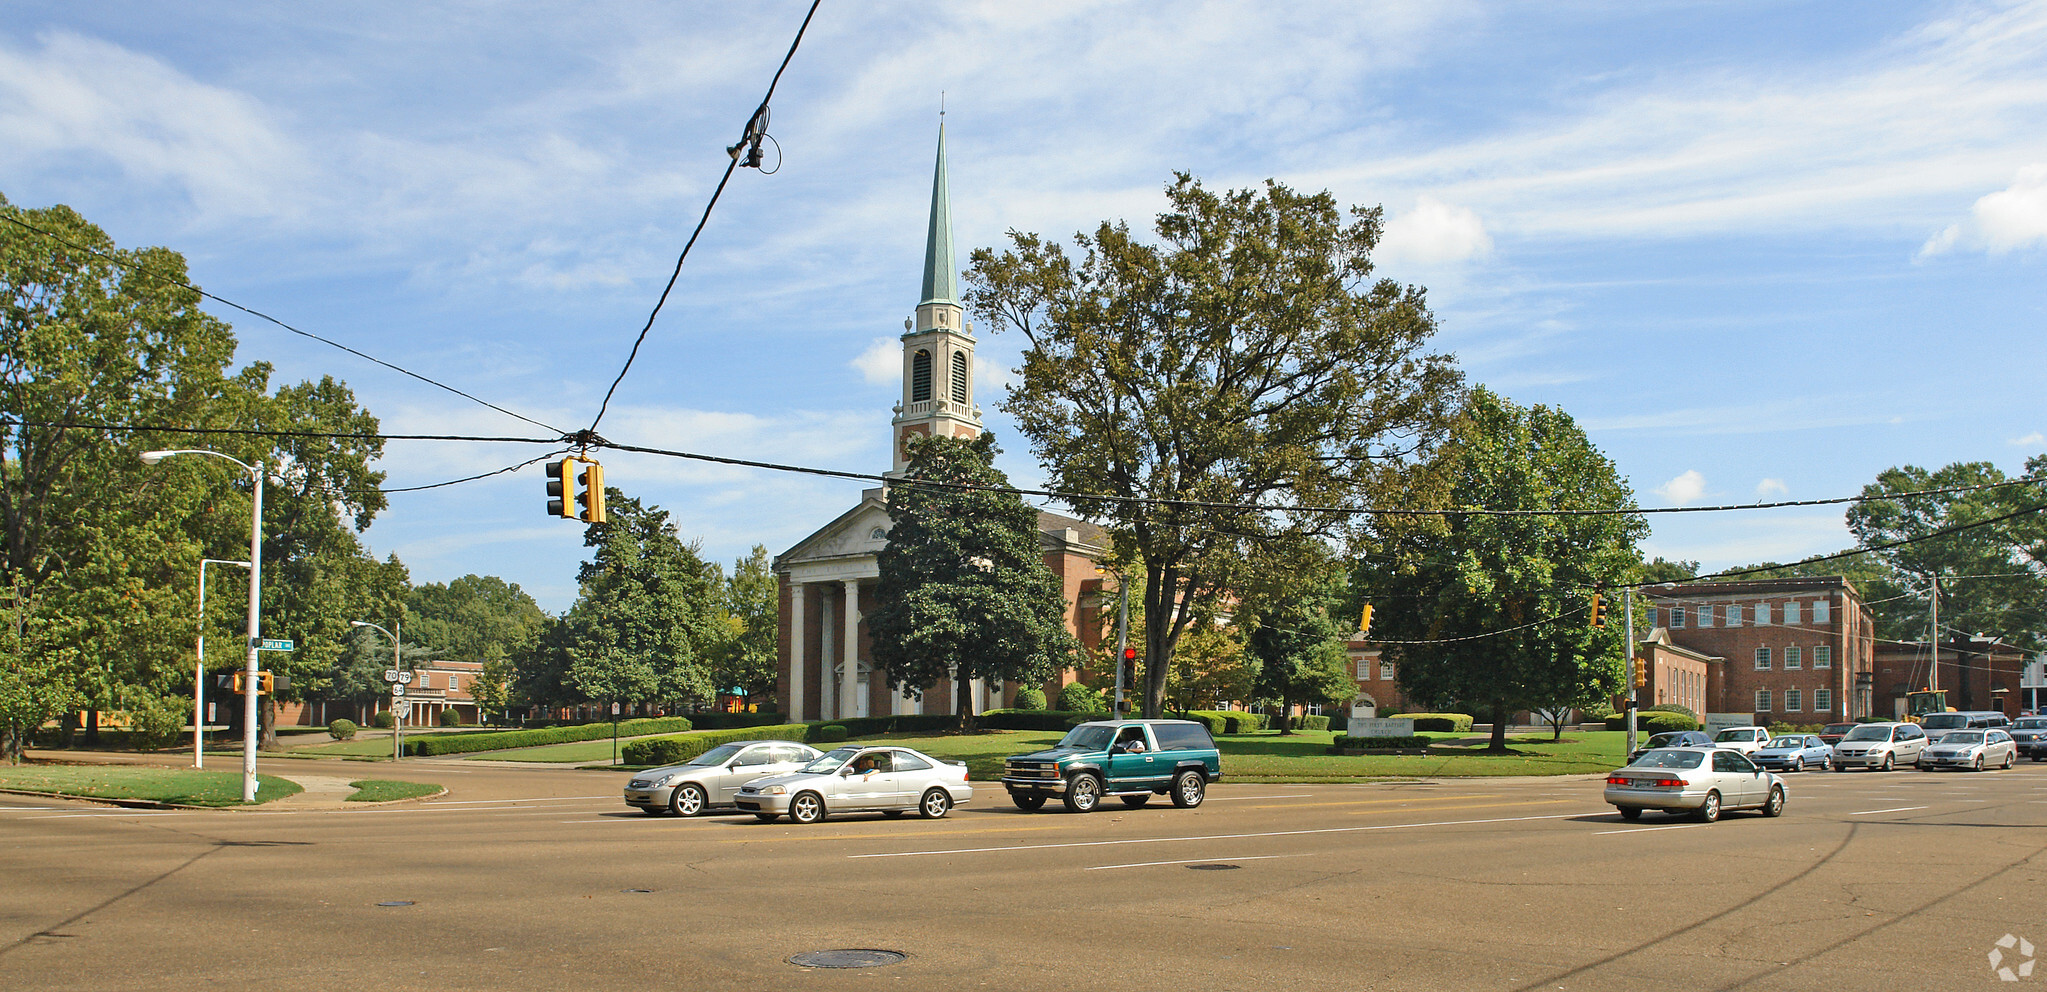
{"x": 746, "y": 656}
{"x": 1186, "y": 390}
{"x": 964, "y": 591}
{"x": 1300, "y": 647}
{"x": 1492, "y": 609}
{"x": 1992, "y": 576}
{"x": 648, "y": 615}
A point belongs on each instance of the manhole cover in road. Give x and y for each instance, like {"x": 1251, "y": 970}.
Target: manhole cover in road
{"x": 1213, "y": 867}
{"x": 855, "y": 957}
{"x": 637, "y": 891}
{"x": 396, "y": 902}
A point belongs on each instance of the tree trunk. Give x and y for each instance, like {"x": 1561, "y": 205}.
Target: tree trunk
{"x": 963, "y": 691}
{"x": 266, "y": 720}
{"x": 1286, "y": 717}
{"x": 1499, "y": 739}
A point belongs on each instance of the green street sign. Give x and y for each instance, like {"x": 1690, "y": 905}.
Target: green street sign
{"x": 270, "y": 644}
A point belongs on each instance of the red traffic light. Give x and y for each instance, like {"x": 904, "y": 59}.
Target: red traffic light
{"x": 1129, "y": 654}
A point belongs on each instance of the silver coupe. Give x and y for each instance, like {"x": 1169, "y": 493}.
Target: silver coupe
{"x": 888, "y": 780}
{"x": 710, "y": 779}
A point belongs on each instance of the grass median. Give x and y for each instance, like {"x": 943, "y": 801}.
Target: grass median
{"x": 180, "y": 786}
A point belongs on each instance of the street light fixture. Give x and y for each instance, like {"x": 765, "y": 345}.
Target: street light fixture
{"x": 397, "y": 722}
{"x": 249, "y": 692}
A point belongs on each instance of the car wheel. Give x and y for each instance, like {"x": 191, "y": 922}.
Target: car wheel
{"x": 807, "y": 807}
{"x": 1189, "y": 789}
{"x": 1029, "y": 802}
{"x": 1798, "y": 766}
{"x": 687, "y": 800}
{"x": 1887, "y": 764}
{"x": 767, "y": 817}
{"x": 2008, "y": 759}
{"x": 1775, "y": 805}
{"x": 1084, "y": 794}
{"x": 1709, "y": 810}
{"x": 1976, "y": 765}
{"x": 1630, "y": 812}
{"x": 937, "y": 802}
{"x": 1137, "y": 801}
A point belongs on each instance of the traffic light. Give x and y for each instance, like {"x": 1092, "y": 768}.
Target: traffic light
{"x": 561, "y": 488}
{"x": 590, "y": 500}
{"x": 1365, "y": 620}
{"x": 237, "y": 683}
{"x": 1641, "y": 672}
{"x": 263, "y": 683}
{"x": 1598, "y": 612}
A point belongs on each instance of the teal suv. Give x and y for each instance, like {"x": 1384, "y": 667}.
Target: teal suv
{"x": 1132, "y": 760}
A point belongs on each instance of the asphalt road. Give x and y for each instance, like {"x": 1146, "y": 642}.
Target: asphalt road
{"x": 525, "y": 878}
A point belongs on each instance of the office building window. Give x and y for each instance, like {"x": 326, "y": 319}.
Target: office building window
{"x": 1734, "y": 614}
{"x": 1762, "y": 614}
{"x": 1762, "y": 700}
{"x": 1386, "y": 671}
{"x": 1794, "y": 657}
{"x": 1821, "y": 610}
{"x": 451, "y": 683}
{"x": 1791, "y": 612}
{"x": 1677, "y": 617}
{"x": 1705, "y": 618}
{"x": 1762, "y": 659}
{"x": 1793, "y": 700}
{"x": 1823, "y": 656}
{"x": 1822, "y": 700}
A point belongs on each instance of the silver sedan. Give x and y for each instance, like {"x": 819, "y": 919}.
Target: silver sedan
{"x": 1975, "y": 749}
{"x": 1795, "y": 753}
{"x": 888, "y": 780}
{"x": 710, "y": 779}
{"x": 1700, "y": 782}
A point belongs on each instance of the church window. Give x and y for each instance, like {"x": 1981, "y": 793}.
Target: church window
{"x": 920, "y": 376}
{"x": 959, "y": 377}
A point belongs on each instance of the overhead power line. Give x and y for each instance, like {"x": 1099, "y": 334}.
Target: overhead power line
{"x": 12, "y": 216}
{"x": 749, "y": 145}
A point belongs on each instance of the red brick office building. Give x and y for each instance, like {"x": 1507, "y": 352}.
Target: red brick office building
{"x": 1798, "y": 651}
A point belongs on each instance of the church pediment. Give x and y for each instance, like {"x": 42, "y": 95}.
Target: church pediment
{"x": 861, "y": 531}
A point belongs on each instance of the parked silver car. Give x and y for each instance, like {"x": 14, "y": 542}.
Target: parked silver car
{"x": 1882, "y": 746}
{"x": 890, "y": 780}
{"x": 1976, "y": 749}
{"x": 1693, "y": 780}
{"x": 710, "y": 779}
{"x": 1795, "y": 753}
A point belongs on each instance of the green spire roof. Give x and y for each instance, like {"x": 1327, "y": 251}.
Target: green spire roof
{"x": 941, "y": 277}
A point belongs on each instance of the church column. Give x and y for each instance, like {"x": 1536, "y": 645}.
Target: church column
{"x": 796, "y": 646}
{"x": 827, "y": 702}
{"x": 849, "y": 680}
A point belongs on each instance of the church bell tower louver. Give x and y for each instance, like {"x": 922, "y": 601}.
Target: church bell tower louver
{"x": 938, "y": 348}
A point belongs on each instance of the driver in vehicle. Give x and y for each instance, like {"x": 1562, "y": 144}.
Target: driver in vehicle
{"x": 1132, "y": 742}
{"x": 869, "y": 763}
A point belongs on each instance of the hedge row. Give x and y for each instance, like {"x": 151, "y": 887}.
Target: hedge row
{"x": 1653, "y": 722}
{"x": 681, "y": 748}
{"x": 500, "y": 740}
{"x": 1442, "y": 723}
{"x": 868, "y": 726}
{"x": 1314, "y": 723}
{"x": 1019, "y": 719}
{"x": 1233, "y": 721}
{"x": 726, "y": 721}
{"x": 1377, "y": 742}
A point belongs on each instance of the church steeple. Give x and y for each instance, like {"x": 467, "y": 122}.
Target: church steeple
{"x": 941, "y": 284}
{"x": 938, "y": 346}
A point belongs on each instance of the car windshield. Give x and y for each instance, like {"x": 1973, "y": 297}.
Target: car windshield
{"x": 1869, "y": 732}
{"x": 1837, "y": 728}
{"x": 1735, "y": 735}
{"x": 1962, "y": 737}
{"x": 830, "y": 761}
{"x": 717, "y": 755}
{"x": 1665, "y": 740}
{"x": 1670, "y": 759}
{"x": 1943, "y": 721}
{"x": 1089, "y": 738}
{"x": 1787, "y": 742}
{"x": 2030, "y": 723}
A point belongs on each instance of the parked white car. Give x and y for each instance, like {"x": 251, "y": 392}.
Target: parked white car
{"x": 888, "y": 780}
{"x": 1882, "y": 746}
{"x": 1747, "y": 740}
{"x": 1974, "y": 749}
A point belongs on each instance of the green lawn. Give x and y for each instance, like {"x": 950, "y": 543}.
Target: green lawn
{"x": 380, "y": 791}
{"x": 170, "y": 785}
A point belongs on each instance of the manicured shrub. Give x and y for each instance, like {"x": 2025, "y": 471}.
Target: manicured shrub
{"x": 1670, "y": 708}
{"x": 383, "y": 720}
{"x": 1077, "y": 697}
{"x": 432, "y": 744}
{"x": 1377, "y": 742}
{"x": 1442, "y": 723}
{"x": 450, "y": 718}
{"x": 1339, "y": 722}
{"x": 830, "y": 733}
{"x": 341, "y": 730}
{"x": 676, "y": 749}
{"x": 725, "y": 721}
{"x": 1315, "y": 723}
{"x": 869, "y": 726}
{"x": 1030, "y": 698}
{"x": 1218, "y": 723}
{"x": 1022, "y": 719}
{"x": 1653, "y": 722}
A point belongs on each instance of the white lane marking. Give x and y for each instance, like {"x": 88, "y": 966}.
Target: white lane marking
{"x": 132, "y": 812}
{"x": 1644, "y": 830}
{"x": 1270, "y": 833}
{"x": 1900, "y": 809}
{"x": 1192, "y": 861}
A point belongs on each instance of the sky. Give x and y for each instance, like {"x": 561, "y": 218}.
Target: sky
{"x": 1759, "y": 249}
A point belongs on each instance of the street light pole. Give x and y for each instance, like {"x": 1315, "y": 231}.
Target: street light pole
{"x": 397, "y": 723}
{"x": 199, "y": 668}
{"x": 249, "y": 687}
{"x": 1628, "y": 610}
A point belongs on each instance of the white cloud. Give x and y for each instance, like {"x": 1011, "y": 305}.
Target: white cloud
{"x": 1684, "y": 489}
{"x": 881, "y": 363}
{"x": 1434, "y": 233}
{"x": 2011, "y": 218}
{"x": 1771, "y": 487}
{"x": 2031, "y": 440}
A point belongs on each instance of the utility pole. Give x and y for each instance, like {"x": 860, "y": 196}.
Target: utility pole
{"x": 1628, "y": 609}
{"x": 1933, "y": 635}
{"x": 1122, "y": 644}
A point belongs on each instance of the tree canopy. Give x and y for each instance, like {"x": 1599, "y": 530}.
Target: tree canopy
{"x": 1495, "y": 608}
{"x": 1246, "y": 360}
{"x": 964, "y": 591}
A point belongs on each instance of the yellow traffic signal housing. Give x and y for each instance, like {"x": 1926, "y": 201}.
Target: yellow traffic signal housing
{"x": 263, "y": 683}
{"x": 591, "y": 498}
{"x": 1365, "y": 619}
{"x": 1641, "y": 672}
{"x": 236, "y": 686}
{"x": 1598, "y": 612}
{"x": 561, "y": 488}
